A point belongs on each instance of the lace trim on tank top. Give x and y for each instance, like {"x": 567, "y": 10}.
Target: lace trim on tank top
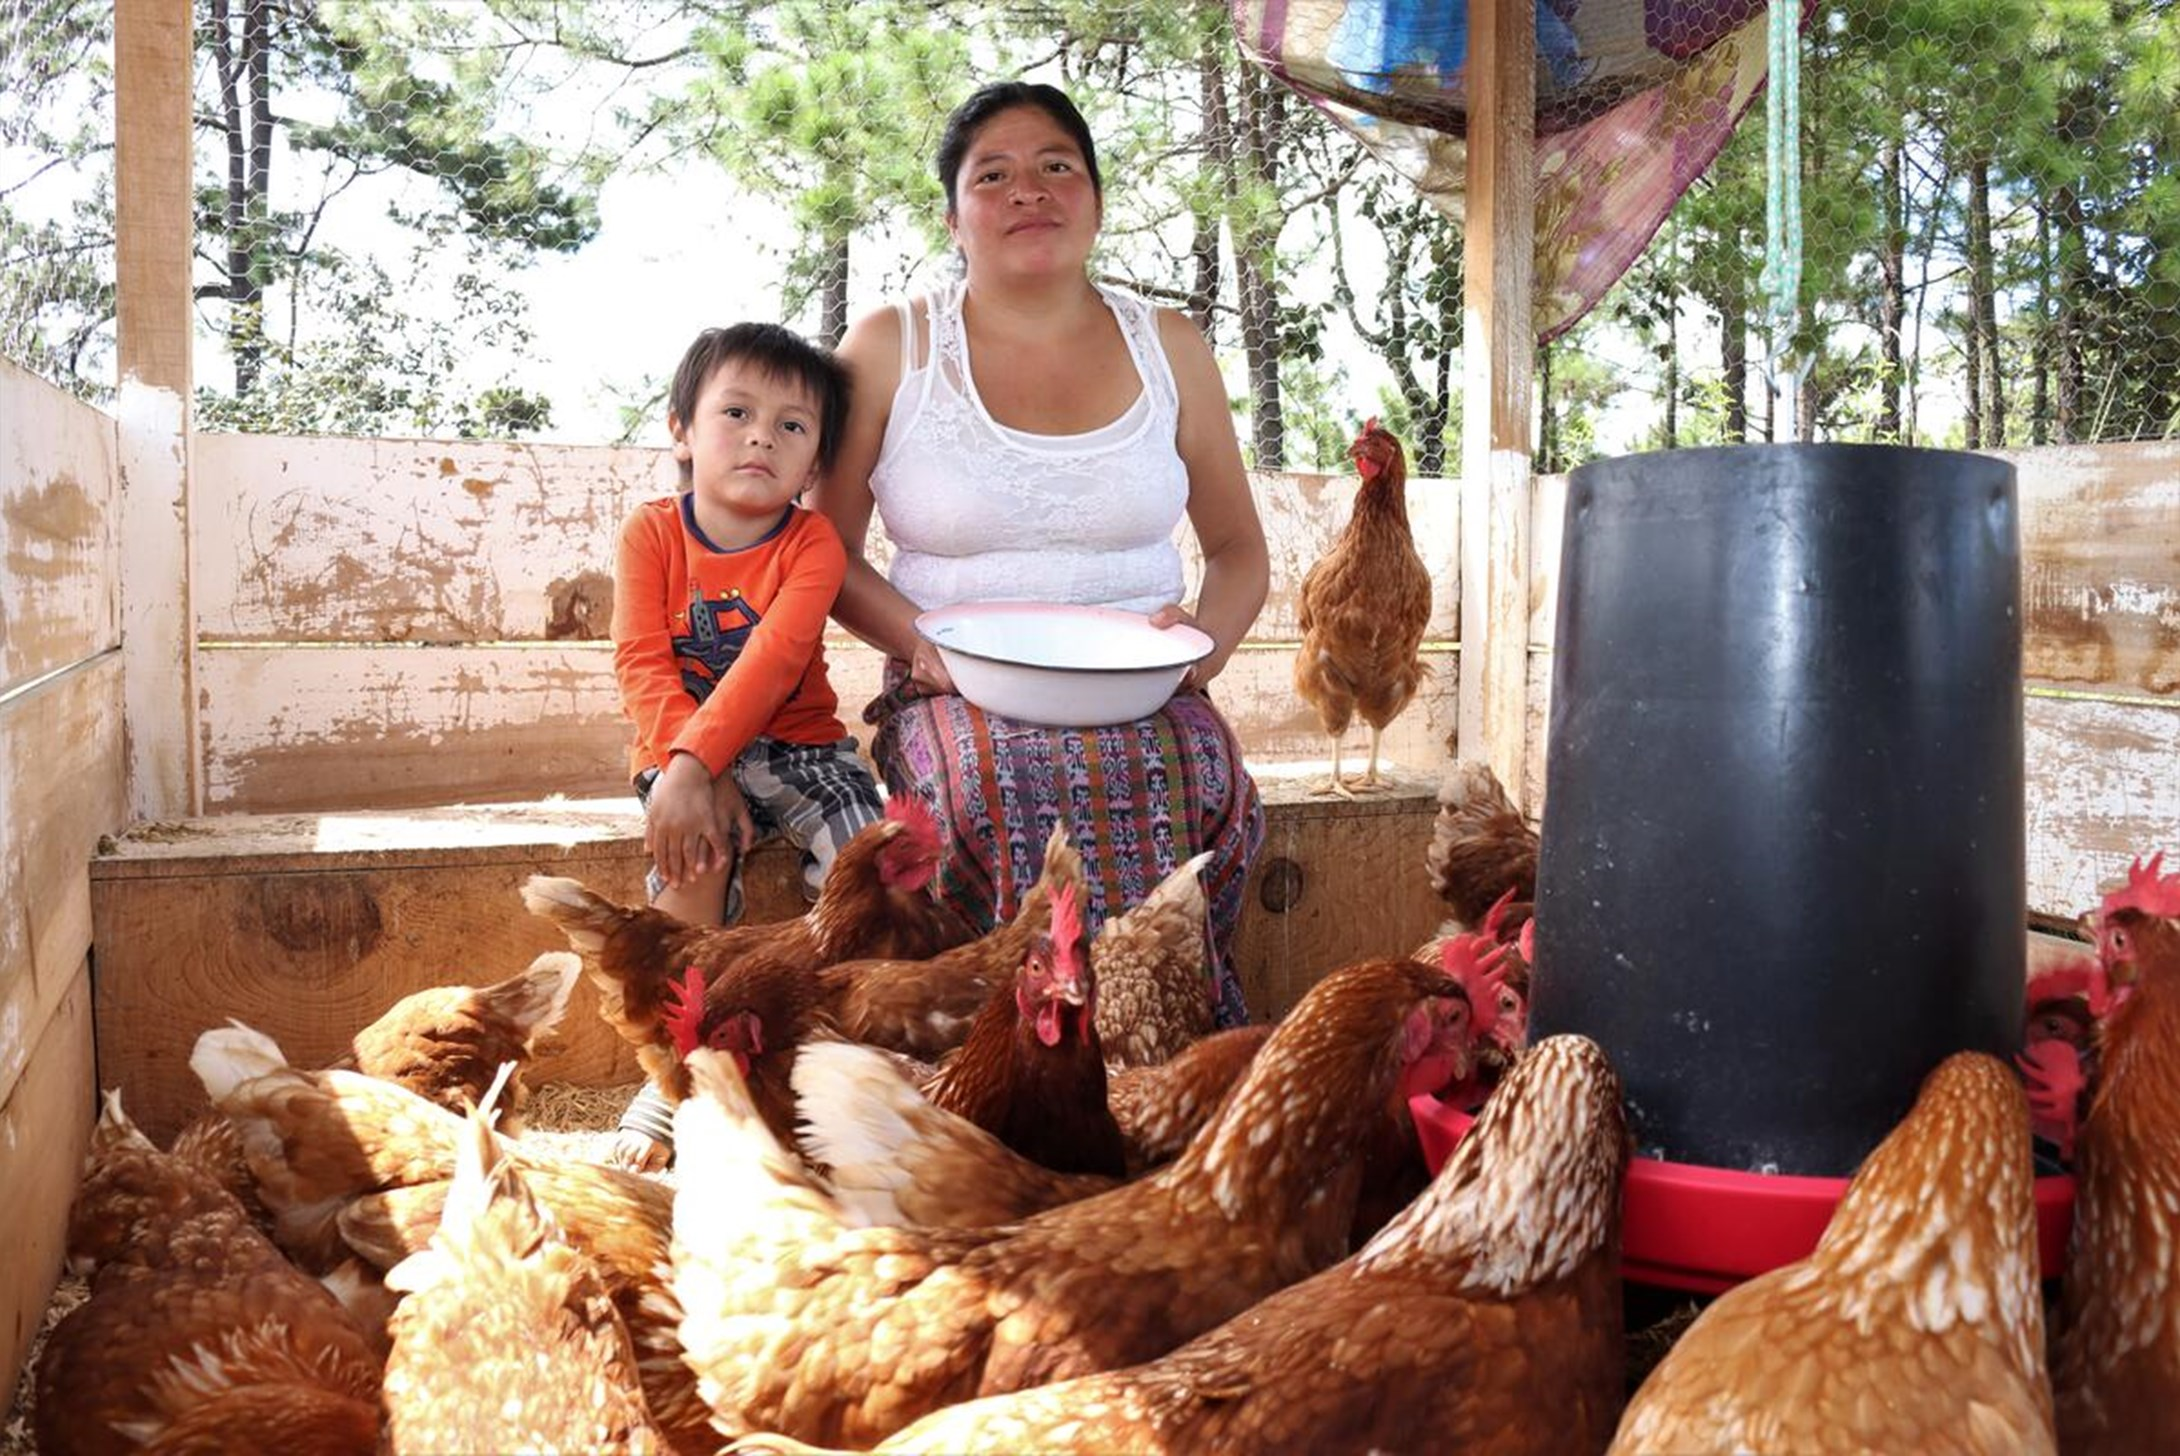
{"x": 981, "y": 511}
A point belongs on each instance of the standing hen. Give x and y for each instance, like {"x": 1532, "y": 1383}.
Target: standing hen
{"x": 2116, "y": 1365}
{"x": 1486, "y": 1318}
{"x": 1365, "y": 604}
{"x": 1917, "y": 1324}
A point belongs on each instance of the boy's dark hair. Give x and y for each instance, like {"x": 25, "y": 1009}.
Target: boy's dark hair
{"x": 967, "y": 118}
{"x": 779, "y": 352}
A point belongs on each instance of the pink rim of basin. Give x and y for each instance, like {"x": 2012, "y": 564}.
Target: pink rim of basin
{"x": 1708, "y": 1229}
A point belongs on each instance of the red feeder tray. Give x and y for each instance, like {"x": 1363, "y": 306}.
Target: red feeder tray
{"x": 1707, "y": 1229}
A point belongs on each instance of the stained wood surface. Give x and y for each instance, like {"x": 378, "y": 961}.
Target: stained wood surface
{"x": 2100, "y": 567}
{"x": 60, "y": 788}
{"x": 2102, "y": 785}
{"x": 1498, "y": 266}
{"x": 1336, "y": 883}
{"x": 45, "y": 1129}
{"x": 59, "y": 589}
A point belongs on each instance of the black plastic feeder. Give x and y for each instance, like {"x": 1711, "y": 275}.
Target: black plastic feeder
{"x": 1782, "y": 865}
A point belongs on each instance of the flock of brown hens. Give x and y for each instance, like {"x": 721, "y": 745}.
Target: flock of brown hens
{"x": 941, "y": 1192}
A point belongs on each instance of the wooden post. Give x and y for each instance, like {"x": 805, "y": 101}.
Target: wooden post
{"x": 152, "y": 121}
{"x": 1497, "y": 349}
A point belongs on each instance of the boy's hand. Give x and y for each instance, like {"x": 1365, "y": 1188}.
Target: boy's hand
{"x": 733, "y": 811}
{"x": 681, "y": 825}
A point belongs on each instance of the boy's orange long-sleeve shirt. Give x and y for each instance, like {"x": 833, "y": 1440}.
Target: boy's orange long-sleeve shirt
{"x": 714, "y": 648}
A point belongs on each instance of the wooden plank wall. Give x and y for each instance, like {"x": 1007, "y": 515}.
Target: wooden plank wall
{"x": 61, "y": 786}
{"x": 392, "y": 623}
{"x": 389, "y": 623}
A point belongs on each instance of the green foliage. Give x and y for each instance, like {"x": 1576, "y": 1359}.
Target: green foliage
{"x": 394, "y": 369}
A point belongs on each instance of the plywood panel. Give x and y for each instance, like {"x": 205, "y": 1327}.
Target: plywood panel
{"x": 57, "y": 560}
{"x": 1335, "y": 883}
{"x": 2100, "y": 573}
{"x": 289, "y": 728}
{"x": 60, "y": 788}
{"x": 2103, "y": 785}
{"x": 45, "y": 1127}
{"x": 336, "y": 540}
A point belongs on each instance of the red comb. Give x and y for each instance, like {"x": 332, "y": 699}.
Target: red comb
{"x": 913, "y": 815}
{"x": 1480, "y": 975}
{"x": 1066, "y": 917}
{"x": 1495, "y": 917}
{"x": 683, "y": 1005}
{"x": 1527, "y": 944}
{"x": 2057, "y": 985}
{"x": 2146, "y": 890}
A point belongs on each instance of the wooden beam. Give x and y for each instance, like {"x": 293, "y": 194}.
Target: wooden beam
{"x": 152, "y": 120}
{"x": 152, "y": 190}
{"x": 1496, "y": 349}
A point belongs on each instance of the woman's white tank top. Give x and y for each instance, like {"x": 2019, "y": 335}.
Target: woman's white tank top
{"x": 977, "y": 511}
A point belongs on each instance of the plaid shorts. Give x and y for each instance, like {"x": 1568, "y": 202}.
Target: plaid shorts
{"x": 816, "y": 795}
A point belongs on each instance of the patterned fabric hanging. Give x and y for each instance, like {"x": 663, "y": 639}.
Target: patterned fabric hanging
{"x": 1634, "y": 99}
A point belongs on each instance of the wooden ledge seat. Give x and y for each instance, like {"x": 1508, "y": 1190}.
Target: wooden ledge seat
{"x": 306, "y": 926}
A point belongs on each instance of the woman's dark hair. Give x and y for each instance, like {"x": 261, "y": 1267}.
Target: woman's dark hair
{"x": 969, "y": 117}
{"x": 779, "y": 352}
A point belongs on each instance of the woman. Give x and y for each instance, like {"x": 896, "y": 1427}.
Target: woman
{"x": 1027, "y": 434}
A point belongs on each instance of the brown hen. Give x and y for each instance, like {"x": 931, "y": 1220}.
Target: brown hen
{"x": 1032, "y": 1071}
{"x": 1916, "y": 1325}
{"x": 2116, "y": 1360}
{"x": 1364, "y": 606}
{"x": 875, "y": 902}
{"x": 196, "y": 1328}
{"x": 1482, "y": 850}
{"x": 447, "y": 1043}
{"x": 507, "y": 1338}
{"x": 353, "y": 1163}
{"x": 1471, "y": 1324}
{"x": 796, "y": 1322}
{"x": 1156, "y": 993}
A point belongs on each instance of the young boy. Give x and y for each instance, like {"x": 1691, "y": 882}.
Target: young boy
{"x": 720, "y": 596}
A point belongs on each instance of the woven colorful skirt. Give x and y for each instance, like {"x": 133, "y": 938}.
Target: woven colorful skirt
{"x": 1139, "y": 797}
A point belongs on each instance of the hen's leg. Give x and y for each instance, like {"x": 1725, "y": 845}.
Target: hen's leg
{"x": 1371, "y": 783}
{"x": 1335, "y": 784}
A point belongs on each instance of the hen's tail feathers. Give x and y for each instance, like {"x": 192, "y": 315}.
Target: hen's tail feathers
{"x": 482, "y": 1172}
{"x": 225, "y": 1058}
{"x": 1184, "y": 887}
{"x": 896, "y": 1159}
{"x": 584, "y": 916}
{"x": 858, "y": 1113}
{"x": 537, "y": 998}
{"x": 115, "y": 1128}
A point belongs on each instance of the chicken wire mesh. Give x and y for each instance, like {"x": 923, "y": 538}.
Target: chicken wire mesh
{"x": 503, "y": 219}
